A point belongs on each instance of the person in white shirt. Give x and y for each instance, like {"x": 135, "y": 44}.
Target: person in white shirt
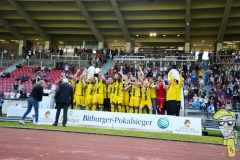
{"x": 66, "y": 69}
{"x": 7, "y": 95}
{"x": 12, "y": 95}
{"x": 161, "y": 69}
{"x": 18, "y": 95}
{"x": 201, "y": 82}
{"x": 195, "y": 98}
{"x": 210, "y": 108}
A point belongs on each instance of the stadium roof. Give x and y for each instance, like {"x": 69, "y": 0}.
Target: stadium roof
{"x": 121, "y": 21}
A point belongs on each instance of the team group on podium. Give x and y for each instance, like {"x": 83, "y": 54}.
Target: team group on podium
{"x": 127, "y": 94}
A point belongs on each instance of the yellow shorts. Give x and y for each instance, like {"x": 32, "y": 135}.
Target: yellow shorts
{"x": 98, "y": 98}
{"x": 126, "y": 100}
{"x": 112, "y": 98}
{"x": 147, "y": 103}
{"x": 118, "y": 100}
{"x": 134, "y": 102}
{"x": 89, "y": 99}
{"x": 74, "y": 98}
{"x": 80, "y": 100}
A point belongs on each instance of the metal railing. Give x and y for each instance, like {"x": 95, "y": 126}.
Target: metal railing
{"x": 146, "y": 61}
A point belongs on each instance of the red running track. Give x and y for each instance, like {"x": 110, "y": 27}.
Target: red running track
{"x": 21, "y": 144}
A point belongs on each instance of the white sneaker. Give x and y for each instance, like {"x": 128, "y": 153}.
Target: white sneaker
{"x": 21, "y": 121}
{"x": 37, "y": 124}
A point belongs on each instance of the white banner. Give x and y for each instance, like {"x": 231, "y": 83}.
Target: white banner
{"x": 187, "y": 125}
{"x": 47, "y": 116}
{"x": 154, "y": 123}
{"x": 125, "y": 121}
{"x": 96, "y": 118}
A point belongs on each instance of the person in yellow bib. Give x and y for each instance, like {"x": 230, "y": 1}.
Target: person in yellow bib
{"x": 171, "y": 96}
{"x": 119, "y": 93}
{"x": 107, "y": 94}
{"x": 89, "y": 93}
{"x": 135, "y": 96}
{"x": 79, "y": 92}
{"x": 98, "y": 92}
{"x": 153, "y": 87}
{"x": 146, "y": 98}
{"x": 126, "y": 97}
{"x": 112, "y": 97}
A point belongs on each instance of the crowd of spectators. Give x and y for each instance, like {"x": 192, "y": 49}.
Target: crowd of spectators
{"x": 17, "y": 93}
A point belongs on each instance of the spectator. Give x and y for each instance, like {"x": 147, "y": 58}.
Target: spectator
{"x": 100, "y": 56}
{"x": 6, "y": 94}
{"x": 23, "y": 95}
{"x": 8, "y": 75}
{"x": 24, "y": 79}
{"x": 18, "y": 95}
{"x": 49, "y": 68}
{"x": 4, "y": 75}
{"x": 66, "y": 68}
{"x": 5, "y": 54}
{"x": 15, "y": 87}
{"x": 12, "y": 95}
{"x": 1, "y": 95}
{"x": 48, "y": 79}
{"x": 72, "y": 69}
{"x": 19, "y": 65}
{"x": 210, "y": 108}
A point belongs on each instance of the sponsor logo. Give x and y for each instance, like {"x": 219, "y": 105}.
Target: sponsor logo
{"x": 163, "y": 123}
{"x": 187, "y": 123}
{"x": 47, "y": 114}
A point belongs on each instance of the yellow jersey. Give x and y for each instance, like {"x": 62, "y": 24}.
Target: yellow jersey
{"x": 107, "y": 91}
{"x": 99, "y": 86}
{"x": 153, "y": 91}
{"x": 146, "y": 93}
{"x": 200, "y": 73}
{"x": 79, "y": 88}
{"x": 119, "y": 87}
{"x": 135, "y": 92}
{"x": 171, "y": 90}
{"x": 126, "y": 93}
{"x": 89, "y": 90}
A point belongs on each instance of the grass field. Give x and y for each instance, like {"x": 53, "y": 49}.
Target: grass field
{"x": 168, "y": 136}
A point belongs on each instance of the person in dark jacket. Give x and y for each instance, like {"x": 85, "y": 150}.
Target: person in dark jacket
{"x": 33, "y": 99}
{"x": 63, "y": 98}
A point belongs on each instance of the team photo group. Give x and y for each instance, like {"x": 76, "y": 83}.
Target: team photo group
{"x": 127, "y": 93}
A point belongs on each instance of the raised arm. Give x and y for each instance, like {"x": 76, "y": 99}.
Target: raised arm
{"x": 171, "y": 79}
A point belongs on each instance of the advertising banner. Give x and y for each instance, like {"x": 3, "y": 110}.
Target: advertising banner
{"x": 96, "y": 118}
{"x": 156, "y": 123}
{"x": 125, "y": 121}
{"x": 187, "y": 125}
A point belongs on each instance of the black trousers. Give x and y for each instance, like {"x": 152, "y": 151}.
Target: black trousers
{"x": 171, "y": 107}
{"x": 59, "y": 106}
{"x": 107, "y": 104}
{"x": 178, "y": 106}
{"x": 0, "y": 111}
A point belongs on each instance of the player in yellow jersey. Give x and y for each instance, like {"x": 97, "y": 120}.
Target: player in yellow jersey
{"x": 89, "y": 93}
{"x": 113, "y": 82}
{"x": 79, "y": 92}
{"x": 126, "y": 97}
{"x": 98, "y": 92}
{"x": 171, "y": 96}
{"x": 107, "y": 94}
{"x": 135, "y": 95}
{"x": 119, "y": 93}
{"x": 153, "y": 87}
{"x": 146, "y": 98}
